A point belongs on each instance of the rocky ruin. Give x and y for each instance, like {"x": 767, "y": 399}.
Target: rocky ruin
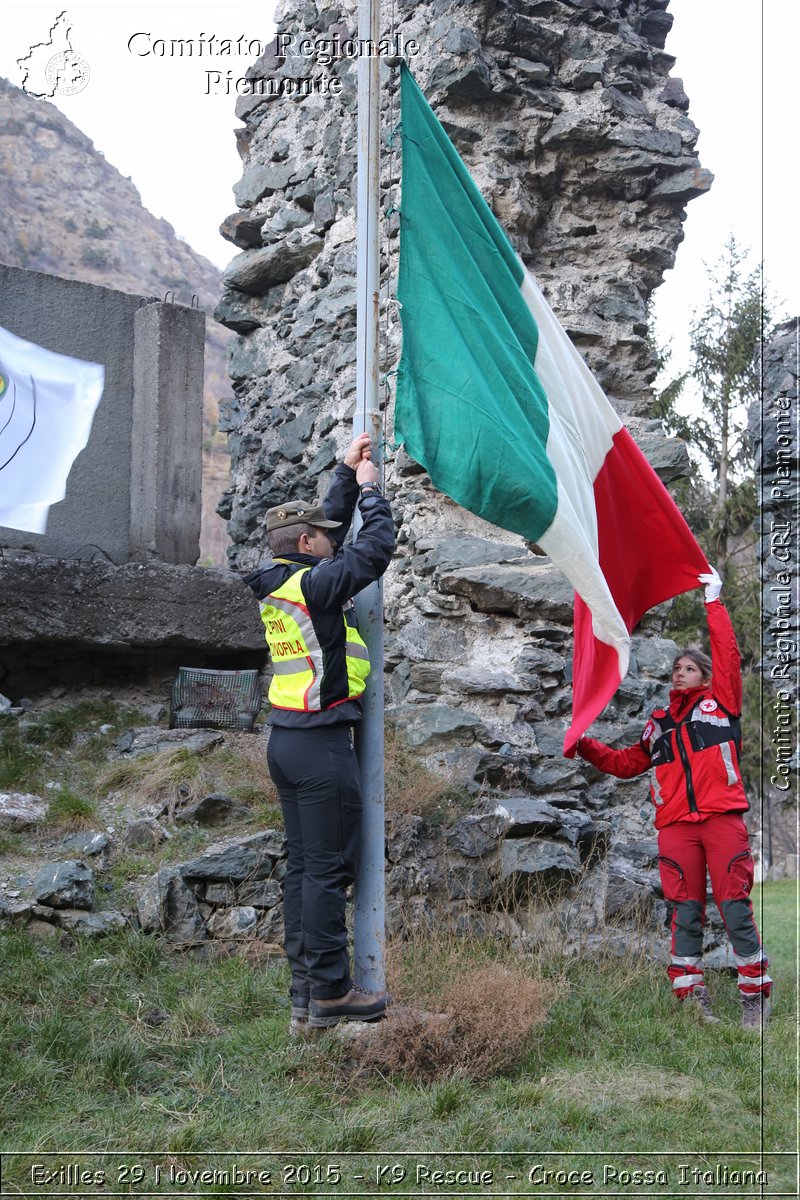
{"x": 568, "y": 116}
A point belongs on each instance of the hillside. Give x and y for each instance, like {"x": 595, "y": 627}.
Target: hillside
{"x": 66, "y": 210}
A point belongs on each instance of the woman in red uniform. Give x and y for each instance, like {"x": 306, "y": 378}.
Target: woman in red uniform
{"x": 693, "y": 749}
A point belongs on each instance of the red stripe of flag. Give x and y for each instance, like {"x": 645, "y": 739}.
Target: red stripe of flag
{"x": 647, "y": 555}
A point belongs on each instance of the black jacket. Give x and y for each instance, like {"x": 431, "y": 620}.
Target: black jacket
{"x": 331, "y": 582}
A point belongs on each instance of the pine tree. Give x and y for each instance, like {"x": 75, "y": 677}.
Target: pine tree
{"x": 720, "y": 499}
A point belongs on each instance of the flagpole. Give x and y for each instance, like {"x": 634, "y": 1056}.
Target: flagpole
{"x": 369, "y": 931}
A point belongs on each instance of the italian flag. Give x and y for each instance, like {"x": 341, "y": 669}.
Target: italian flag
{"x": 498, "y": 406}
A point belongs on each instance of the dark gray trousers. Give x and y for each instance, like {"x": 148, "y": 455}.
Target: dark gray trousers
{"x": 316, "y": 773}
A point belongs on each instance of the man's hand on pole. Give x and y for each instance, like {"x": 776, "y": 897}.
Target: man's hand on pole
{"x": 367, "y": 472}
{"x": 359, "y": 459}
{"x": 360, "y": 449}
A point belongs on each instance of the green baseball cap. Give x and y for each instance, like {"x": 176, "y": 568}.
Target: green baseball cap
{"x": 297, "y": 512}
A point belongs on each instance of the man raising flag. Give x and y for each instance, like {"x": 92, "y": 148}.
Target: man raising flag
{"x": 485, "y": 360}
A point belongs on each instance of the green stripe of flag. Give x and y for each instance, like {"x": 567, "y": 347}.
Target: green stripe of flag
{"x": 469, "y": 408}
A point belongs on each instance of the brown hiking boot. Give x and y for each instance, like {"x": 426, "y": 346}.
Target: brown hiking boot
{"x": 354, "y": 1006}
{"x": 755, "y": 1010}
{"x": 298, "y": 1021}
{"x": 700, "y": 1000}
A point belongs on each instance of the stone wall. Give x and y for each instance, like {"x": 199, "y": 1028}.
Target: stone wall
{"x": 572, "y": 126}
{"x": 567, "y": 115}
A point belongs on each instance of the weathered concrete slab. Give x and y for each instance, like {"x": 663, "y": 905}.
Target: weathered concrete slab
{"x": 81, "y": 624}
{"x": 49, "y": 601}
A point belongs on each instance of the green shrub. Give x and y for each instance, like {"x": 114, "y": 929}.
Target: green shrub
{"x": 69, "y": 810}
{"x": 95, "y": 230}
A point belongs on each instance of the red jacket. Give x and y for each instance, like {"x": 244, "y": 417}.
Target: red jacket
{"x": 693, "y": 746}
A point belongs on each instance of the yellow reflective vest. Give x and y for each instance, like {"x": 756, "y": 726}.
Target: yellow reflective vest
{"x": 309, "y": 676}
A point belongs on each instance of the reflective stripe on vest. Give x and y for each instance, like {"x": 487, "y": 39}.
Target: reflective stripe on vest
{"x": 295, "y": 650}
{"x": 727, "y": 758}
{"x": 297, "y": 656}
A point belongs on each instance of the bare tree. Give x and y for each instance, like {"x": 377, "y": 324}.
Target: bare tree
{"x": 724, "y": 339}
{"x": 720, "y": 498}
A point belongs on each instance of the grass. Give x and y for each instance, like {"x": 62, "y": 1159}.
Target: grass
{"x": 62, "y": 755}
{"x": 121, "y": 1045}
{"x": 13, "y": 845}
{"x": 21, "y": 764}
{"x": 153, "y": 776}
{"x": 57, "y": 727}
{"x": 238, "y": 769}
{"x": 773, "y": 904}
{"x": 62, "y": 745}
{"x": 68, "y": 810}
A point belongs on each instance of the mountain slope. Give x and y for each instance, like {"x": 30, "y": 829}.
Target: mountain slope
{"x": 66, "y": 210}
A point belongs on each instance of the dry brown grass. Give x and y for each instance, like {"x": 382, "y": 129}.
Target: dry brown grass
{"x": 412, "y": 789}
{"x": 465, "y": 1006}
{"x": 610, "y": 1083}
{"x": 485, "y": 1024}
{"x": 238, "y": 768}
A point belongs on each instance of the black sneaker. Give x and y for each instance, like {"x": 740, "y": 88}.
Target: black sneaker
{"x": 354, "y": 1006}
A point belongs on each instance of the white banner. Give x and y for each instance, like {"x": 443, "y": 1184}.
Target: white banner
{"x": 47, "y": 404}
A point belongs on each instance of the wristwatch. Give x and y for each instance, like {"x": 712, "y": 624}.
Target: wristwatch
{"x": 370, "y": 487}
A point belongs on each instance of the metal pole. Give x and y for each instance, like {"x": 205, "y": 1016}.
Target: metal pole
{"x": 369, "y": 933}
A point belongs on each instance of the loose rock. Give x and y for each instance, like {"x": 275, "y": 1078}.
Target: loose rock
{"x": 67, "y": 884}
{"x": 21, "y": 810}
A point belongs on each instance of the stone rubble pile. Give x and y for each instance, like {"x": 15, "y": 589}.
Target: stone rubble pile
{"x": 61, "y": 894}
{"x": 479, "y": 872}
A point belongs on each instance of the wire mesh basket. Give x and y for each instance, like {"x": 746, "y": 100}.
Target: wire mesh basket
{"x": 203, "y": 699}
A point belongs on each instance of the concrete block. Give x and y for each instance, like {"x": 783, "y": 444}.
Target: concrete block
{"x": 167, "y": 433}
{"x": 95, "y": 617}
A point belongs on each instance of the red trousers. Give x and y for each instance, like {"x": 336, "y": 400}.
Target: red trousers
{"x": 719, "y": 845}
